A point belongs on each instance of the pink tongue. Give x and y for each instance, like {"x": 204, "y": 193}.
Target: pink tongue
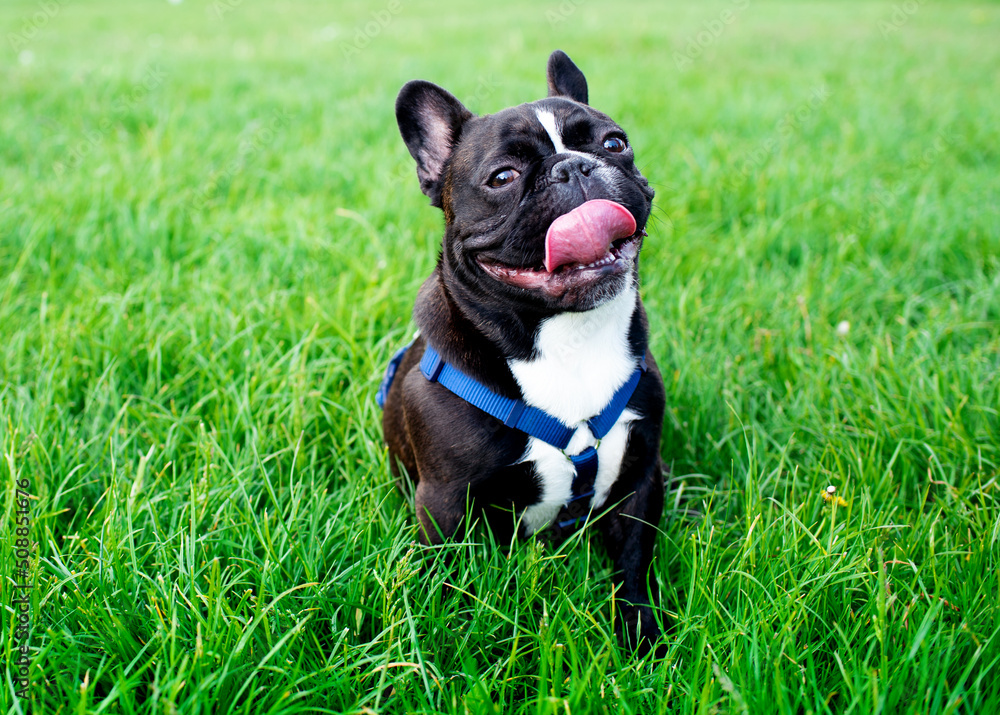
{"x": 584, "y": 235}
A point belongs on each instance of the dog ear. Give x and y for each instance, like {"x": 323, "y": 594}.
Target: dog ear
{"x": 565, "y": 78}
{"x": 430, "y": 120}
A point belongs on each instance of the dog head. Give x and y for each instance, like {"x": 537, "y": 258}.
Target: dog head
{"x": 544, "y": 206}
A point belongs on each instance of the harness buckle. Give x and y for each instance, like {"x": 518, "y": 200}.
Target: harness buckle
{"x": 433, "y": 370}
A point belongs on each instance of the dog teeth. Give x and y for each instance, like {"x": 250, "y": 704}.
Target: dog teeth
{"x": 608, "y": 259}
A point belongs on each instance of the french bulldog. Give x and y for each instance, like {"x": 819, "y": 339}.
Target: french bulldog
{"x": 534, "y": 303}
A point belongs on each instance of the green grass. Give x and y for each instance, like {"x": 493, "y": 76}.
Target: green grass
{"x": 211, "y": 237}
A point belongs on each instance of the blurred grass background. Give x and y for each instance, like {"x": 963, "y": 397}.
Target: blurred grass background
{"x": 211, "y": 236}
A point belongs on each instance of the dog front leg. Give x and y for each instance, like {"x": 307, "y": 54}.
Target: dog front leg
{"x": 630, "y": 534}
{"x": 440, "y": 511}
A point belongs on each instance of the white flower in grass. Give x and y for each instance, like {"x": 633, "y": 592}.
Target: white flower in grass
{"x": 843, "y": 328}
{"x": 830, "y": 495}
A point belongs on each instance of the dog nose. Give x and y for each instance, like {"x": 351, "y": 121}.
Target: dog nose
{"x": 562, "y": 170}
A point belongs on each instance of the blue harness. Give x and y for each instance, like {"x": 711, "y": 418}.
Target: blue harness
{"x": 518, "y": 415}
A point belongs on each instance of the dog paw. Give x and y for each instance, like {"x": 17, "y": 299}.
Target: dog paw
{"x": 637, "y": 630}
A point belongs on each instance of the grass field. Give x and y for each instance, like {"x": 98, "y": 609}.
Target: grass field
{"x": 211, "y": 237}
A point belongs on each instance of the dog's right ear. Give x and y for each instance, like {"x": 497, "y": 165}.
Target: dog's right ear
{"x": 565, "y": 79}
{"x": 430, "y": 120}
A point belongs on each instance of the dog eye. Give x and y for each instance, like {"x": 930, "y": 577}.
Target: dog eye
{"x": 616, "y": 145}
{"x": 503, "y": 177}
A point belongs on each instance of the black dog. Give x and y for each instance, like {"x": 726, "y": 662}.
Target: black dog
{"x": 529, "y": 392}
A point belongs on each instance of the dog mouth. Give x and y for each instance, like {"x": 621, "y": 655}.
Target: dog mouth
{"x": 619, "y": 259}
{"x": 583, "y": 247}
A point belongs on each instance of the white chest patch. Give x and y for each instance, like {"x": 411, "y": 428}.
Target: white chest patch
{"x": 583, "y": 358}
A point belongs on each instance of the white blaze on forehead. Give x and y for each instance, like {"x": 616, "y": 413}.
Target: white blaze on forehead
{"x": 548, "y": 121}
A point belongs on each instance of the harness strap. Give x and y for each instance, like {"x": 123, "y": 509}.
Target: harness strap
{"x": 513, "y": 413}
{"x": 585, "y": 464}
{"x": 532, "y": 421}
{"x": 582, "y": 489}
{"x": 525, "y": 418}
{"x": 606, "y": 419}
{"x": 390, "y": 375}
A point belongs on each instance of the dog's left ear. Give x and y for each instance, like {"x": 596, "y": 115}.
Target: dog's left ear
{"x": 430, "y": 120}
{"x": 565, "y": 78}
